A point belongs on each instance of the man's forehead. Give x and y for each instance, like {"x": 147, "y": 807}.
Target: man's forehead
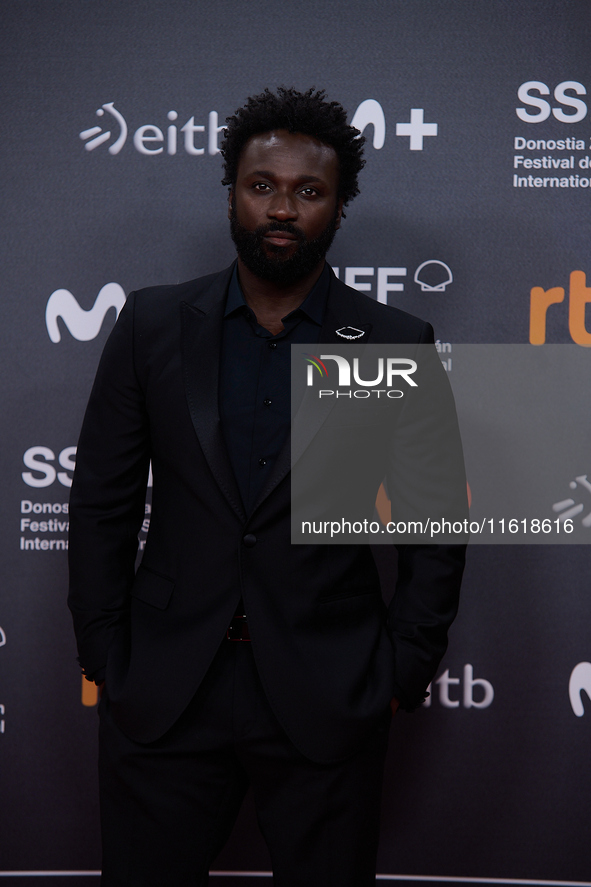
{"x": 282, "y": 144}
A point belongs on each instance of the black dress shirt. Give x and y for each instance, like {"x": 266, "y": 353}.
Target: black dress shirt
{"x": 255, "y": 389}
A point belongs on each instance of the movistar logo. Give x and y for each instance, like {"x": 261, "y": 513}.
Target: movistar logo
{"x": 579, "y": 683}
{"x": 83, "y": 325}
{"x": 370, "y": 112}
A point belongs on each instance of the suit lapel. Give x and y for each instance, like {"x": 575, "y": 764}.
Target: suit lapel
{"x": 201, "y": 326}
{"x": 341, "y": 313}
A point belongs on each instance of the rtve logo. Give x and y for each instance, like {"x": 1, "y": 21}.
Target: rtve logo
{"x": 150, "y": 139}
{"x": 83, "y": 325}
{"x": 578, "y": 297}
{"x": 529, "y": 94}
{"x": 579, "y": 683}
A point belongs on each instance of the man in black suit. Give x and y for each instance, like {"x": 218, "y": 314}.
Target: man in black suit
{"x": 232, "y": 657}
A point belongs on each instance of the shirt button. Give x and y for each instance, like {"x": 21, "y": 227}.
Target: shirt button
{"x": 272, "y": 344}
{"x": 250, "y": 540}
{"x": 262, "y": 462}
{"x": 267, "y": 401}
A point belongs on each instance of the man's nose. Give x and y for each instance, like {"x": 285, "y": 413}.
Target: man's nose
{"x": 282, "y": 207}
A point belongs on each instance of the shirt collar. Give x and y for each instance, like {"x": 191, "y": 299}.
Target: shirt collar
{"x": 313, "y": 306}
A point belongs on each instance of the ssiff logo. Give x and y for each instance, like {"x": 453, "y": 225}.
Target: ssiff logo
{"x": 530, "y": 93}
{"x": 83, "y": 325}
{"x": 433, "y": 276}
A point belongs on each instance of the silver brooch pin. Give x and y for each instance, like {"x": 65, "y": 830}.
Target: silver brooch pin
{"x": 350, "y": 332}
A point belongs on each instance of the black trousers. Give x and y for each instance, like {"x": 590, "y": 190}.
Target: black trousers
{"x": 168, "y": 807}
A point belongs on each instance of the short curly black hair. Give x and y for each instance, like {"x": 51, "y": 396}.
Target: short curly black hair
{"x": 304, "y": 112}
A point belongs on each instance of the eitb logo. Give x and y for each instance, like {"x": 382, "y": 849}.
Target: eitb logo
{"x": 151, "y": 139}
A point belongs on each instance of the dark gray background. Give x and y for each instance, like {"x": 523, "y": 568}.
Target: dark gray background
{"x": 496, "y": 792}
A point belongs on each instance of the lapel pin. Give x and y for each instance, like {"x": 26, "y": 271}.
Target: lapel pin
{"x": 350, "y": 332}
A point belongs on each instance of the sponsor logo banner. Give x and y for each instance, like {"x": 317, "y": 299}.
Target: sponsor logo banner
{"x": 197, "y": 139}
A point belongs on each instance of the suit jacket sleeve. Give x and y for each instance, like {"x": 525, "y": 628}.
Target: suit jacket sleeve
{"x": 108, "y": 497}
{"x": 428, "y": 455}
{"x": 424, "y": 605}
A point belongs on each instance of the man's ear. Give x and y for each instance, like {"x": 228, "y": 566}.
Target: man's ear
{"x": 339, "y": 214}
{"x": 230, "y": 199}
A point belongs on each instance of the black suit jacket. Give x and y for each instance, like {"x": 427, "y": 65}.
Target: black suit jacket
{"x": 329, "y": 655}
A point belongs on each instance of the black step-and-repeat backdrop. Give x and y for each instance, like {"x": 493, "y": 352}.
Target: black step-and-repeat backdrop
{"x": 474, "y": 214}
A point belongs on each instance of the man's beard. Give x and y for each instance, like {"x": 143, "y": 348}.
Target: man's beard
{"x": 266, "y": 260}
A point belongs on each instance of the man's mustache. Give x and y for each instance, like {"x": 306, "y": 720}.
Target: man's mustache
{"x": 280, "y": 227}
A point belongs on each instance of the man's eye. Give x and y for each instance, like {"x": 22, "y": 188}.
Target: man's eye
{"x": 309, "y": 192}
{"x": 260, "y": 186}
